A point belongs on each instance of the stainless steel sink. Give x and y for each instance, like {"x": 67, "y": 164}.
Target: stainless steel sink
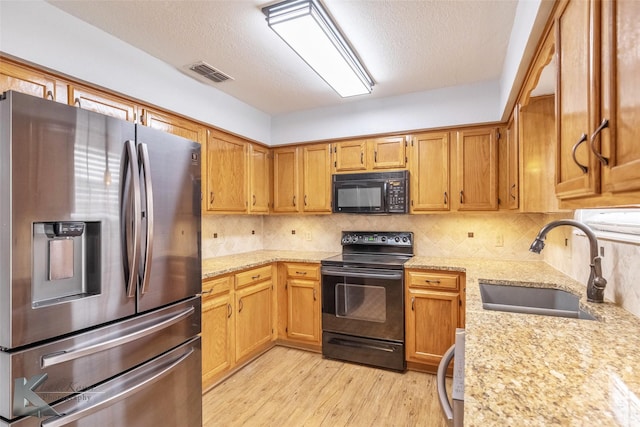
{"x": 523, "y": 299}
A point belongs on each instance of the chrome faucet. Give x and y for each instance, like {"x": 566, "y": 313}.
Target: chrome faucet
{"x": 596, "y": 283}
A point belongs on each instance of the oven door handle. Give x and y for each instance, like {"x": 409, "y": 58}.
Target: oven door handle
{"x": 367, "y": 274}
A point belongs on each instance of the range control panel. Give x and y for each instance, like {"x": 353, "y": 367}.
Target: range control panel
{"x": 384, "y": 238}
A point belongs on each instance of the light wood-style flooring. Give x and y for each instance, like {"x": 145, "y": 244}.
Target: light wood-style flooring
{"x": 289, "y": 387}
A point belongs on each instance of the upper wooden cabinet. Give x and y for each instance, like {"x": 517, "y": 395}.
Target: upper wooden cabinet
{"x": 512, "y": 161}
{"x": 285, "y": 179}
{"x": 316, "y": 178}
{"x": 259, "y": 179}
{"x": 598, "y": 105}
{"x": 26, "y": 80}
{"x": 173, "y": 124}
{"x": 367, "y": 155}
{"x": 302, "y": 179}
{"x": 477, "y": 169}
{"x": 429, "y": 172}
{"x": 225, "y": 188}
{"x": 103, "y": 103}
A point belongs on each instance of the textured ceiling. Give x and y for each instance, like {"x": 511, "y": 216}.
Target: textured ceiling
{"x": 407, "y": 45}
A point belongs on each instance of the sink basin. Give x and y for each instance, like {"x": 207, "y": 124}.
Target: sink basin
{"x": 523, "y": 299}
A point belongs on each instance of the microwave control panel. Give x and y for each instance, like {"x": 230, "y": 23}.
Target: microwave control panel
{"x": 396, "y": 196}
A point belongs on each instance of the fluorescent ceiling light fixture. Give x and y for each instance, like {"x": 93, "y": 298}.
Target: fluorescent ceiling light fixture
{"x": 307, "y": 28}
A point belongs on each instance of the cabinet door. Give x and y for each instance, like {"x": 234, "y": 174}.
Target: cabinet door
{"x": 351, "y": 156}
{"x": 24, "y": 80}
{"x": 477, "y": 151}
{"x": 259, "y": 179}
{"x": 316, "y": 186}
{"x": 217, "y": 336}
{"x": 226, "y": 173}
{"x": 577, "y": 171}
{"x": 93, "y": 100}
{"x": 174, "y": 125}
{"x": 512, "y": 160}
{"x": 389, "y": 152}
{"x": 285, "y": 179}
{"x": 431, "y": 321}
{"x": 303, "y": 310}
{"x": 254, "y": 322}
{"x": 620, "y": 95}
{"x": 430, "y": 172}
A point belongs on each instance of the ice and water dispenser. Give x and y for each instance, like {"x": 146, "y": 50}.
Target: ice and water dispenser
{"x": 66, "y": 261}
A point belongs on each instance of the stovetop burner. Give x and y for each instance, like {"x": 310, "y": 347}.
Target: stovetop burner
{"x": 373, "y": 249}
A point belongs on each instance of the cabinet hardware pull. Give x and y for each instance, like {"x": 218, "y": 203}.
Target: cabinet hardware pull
{"x": 255, "y": 277}
{"x": 211, "y": 197}
{"x": 294, "y": 200}
{"x": 305, "y": 200}
{"x": 207, "y": 292}
{"x": 413, "y": 303}
{"x": 229, "y": 311}
{"x": 49, "y": 95}
{"x": 362, "y": 157}
{"x": 437, "y": 282}
{"x": 461, "y": 197}
{"x": 254, "y": 200}
{"x": 77, "y": 102}
{"x": 583, "y": 138}
{"x": 603, "y": 125}
{"x": 375, "y": 156}
{"x": 301, "y": 273}
{"x": 314, "y": 295}
{"x": 446, "y": 198}
{"x": 240, "y": 305}
{"x": 513, "y": 187}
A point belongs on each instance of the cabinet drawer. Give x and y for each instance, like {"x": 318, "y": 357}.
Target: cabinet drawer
{"x": 303, "y": 271}
{"x": 216, "y": 286}
{"x": 254, "y": 275}
{"x": 433, "y": 280}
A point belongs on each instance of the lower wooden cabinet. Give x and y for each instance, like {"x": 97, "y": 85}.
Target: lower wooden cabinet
{"x": 434, "y": 302}
{"x": 302, "y": 288}
{"x": 254, "y": 319}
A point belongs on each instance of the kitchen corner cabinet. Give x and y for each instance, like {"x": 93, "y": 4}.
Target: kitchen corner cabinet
{"x": 100, "y": 102}
{"x": 434, "y": 305}
{"x": 218, "y": 330}
{"x": 598, "y": 105}
{"x": 255, "y": 310}
{"x": 302, "y": 288}
{"x": 362, "y": 155}
{"x": 477, "y": 169}
{"x": 225, "y": 188}
{"x": 259, "y": 179}
{"x": 429, "y": 172}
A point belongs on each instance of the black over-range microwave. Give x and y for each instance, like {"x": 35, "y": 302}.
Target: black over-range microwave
{"x": 371, "y": 193}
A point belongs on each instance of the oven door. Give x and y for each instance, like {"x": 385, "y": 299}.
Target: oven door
{"x": 364, "y": 302}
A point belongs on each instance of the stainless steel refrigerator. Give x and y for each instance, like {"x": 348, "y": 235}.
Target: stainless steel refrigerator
{"x": 100, "y": 270}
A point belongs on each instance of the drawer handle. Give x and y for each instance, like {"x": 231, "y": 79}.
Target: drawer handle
{"x": 437, "y": 282}
{"x": 255, "y": 277}
{"x": 207, "y": 292}
{"x": 301, "y": 273}
{"x": 583, "y": 138}
{"x": 229, "y": 311}
{"x": 603, "y": 125}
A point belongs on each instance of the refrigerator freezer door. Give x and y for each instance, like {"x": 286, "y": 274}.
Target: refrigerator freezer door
{"x": 77, "y": 362}
{"x": 163, "y": 392}
{"x": 58, "y": 164}
{"x": 170, "y": 217}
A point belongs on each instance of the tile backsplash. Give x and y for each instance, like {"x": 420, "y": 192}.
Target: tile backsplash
{"x": 495, "y": 235}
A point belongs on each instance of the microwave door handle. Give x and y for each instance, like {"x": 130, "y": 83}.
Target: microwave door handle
{"x": 441, "y": 384}
{"x": 143, "y": 154}
{"x": 385, "y": 195}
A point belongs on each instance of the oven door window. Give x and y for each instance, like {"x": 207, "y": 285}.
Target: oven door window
{"x": 361, "y": 302}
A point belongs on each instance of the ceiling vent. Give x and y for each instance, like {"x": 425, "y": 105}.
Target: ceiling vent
{"x": 208, "y": 72}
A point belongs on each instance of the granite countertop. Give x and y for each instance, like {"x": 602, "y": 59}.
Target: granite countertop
{"x": 523, "y": 369}
{"x": 530, "y": 370}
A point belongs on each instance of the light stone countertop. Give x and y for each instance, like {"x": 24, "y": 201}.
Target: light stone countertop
{"x": 523, "y": 369}
{"x": 530, "y": 370}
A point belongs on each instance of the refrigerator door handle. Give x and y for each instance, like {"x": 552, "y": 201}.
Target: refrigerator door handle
{"x": 447, "y": 409}
{"x": 130, "y": 174}
{"x": 66, "y": 356}
{"x": 154, "y": 375}
{"x": 145, "y": 168}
